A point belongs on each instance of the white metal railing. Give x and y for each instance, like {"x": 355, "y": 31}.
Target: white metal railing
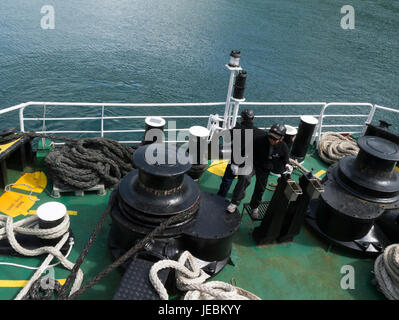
{"x": 261, "y": 113}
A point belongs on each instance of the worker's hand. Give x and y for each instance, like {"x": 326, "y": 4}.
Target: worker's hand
{"x": 289, "y": 168}
{"x": 234, "y": 169}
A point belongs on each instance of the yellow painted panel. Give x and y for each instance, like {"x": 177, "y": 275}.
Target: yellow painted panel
{"x": 14, "y": 204}
{"x": 397, "y": 169}
{"x": 36, "y": 180}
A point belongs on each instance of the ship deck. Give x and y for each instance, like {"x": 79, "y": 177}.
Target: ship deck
{"x": 307, "y": 268}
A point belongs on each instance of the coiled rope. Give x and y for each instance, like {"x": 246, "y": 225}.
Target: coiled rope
{"x": 29, "y": 226}
{"x": 334, "y": 146}
{"x": 83, "y": 163}
{"x": 386, "y": 270}
{"x": 191, "y": 278}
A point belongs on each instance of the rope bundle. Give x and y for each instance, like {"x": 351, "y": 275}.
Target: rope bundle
{"x": 29, "y": 226}
{"x": 192, "y": 278}
{"x": 386, "y": 270}
{"x": 334, "y": 146}
{"x": 10, "y": 137}
{"x": 84, "y": 163}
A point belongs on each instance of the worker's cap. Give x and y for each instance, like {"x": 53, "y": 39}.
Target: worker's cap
{"x": 247, "y": 114}
{"x": 277, "y": 131}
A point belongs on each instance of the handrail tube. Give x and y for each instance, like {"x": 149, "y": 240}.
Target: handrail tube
{"x": 319, "y": 130}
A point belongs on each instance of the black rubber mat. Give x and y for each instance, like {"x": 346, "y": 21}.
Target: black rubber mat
{"x": 262, "y": 210}
{"x": 136, "y": 285}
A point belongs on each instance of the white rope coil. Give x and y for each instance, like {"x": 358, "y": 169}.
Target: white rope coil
{"x": 334, "y": 146}
{"x": 192, "y": 279}
{"x": 29, "y": 226}
{"x": 386, "y": 270}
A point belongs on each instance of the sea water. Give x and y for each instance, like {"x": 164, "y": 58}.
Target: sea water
{"x": 175, "y": 51}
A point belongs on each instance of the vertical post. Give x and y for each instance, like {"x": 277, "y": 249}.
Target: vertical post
{"x": 369, "y": 118}
{"x": 233, "y": 66}
{"x": 102, "y": 122}
{"x": 235, "y": 114}
{"x": 21, "y": 119}
{"x": 321, "y": 116}
{"x": 228, "y": 100}
{"x": 44, "y": 125}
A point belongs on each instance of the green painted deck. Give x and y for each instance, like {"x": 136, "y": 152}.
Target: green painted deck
{"x": 304, "y": 269}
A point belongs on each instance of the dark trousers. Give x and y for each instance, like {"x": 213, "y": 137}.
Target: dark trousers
{"x": 243, "y": 183}
{"x": 227, "y": 180}
{"x": 260, "y": 187}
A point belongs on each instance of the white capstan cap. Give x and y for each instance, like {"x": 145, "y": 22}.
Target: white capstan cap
{"x": 292, "y": 131}
{"x": 199, "y": 131}
{"x": 309, "y": 119}
{"x": 51, "y": 211}
{"x": 155, "y": 121}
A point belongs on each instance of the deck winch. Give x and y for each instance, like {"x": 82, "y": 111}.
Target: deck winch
{"x": 157, "y": 191}
{"x": 357, "y": 191}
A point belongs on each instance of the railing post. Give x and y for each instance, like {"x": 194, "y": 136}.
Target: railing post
{"x": 44, "y": 125}
{"x": 21, "y": 119}
{"x": 320, "y": 125}
{"x": 369, "y": 118}
{"x": 102, "y": 122}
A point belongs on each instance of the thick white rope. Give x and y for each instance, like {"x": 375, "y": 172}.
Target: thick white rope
{"x": 386, "y": 270}
{"x": 29, "y": 226}
{"x": 71, "y": 243}
{"x": 192, "y": 279}
{"x": 334, "y": 146}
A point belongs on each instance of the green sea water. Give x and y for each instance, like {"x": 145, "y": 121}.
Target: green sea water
{"x": 175, "y": 51}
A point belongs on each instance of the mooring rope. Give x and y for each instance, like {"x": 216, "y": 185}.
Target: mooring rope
{"x": 386, "y": 271}
{"x": 83, "y": 163}
{"x": 129, "y": 254}
{"x": 334, "y": 146}
{"x": 191, "y": 278}
{"x": 29, "y": 226}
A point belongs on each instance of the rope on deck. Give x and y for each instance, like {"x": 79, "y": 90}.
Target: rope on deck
{"x": 386, "y": 270}
{"x": 29, "y": 226}
{"x": 125, "y": 257}
{"x": 83, "y": 163}
{"x": 192, "y": 279}
{"x": 334, "y": 146}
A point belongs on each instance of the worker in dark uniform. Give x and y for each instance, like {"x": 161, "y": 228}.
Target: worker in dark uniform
{"x": 247, "y": 123}
{"x": 270, "y": 154}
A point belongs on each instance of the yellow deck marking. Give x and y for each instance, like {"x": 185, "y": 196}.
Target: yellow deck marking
{"x": 70, "y": 212}
{"x": 3, "y": 147}
{"x": 218, "y": 167}
{"x": 320, "y": 173}
{"x": 14, "y": 204}
{"x": 36, "y": 180}
{"x": 20, "y": 283}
